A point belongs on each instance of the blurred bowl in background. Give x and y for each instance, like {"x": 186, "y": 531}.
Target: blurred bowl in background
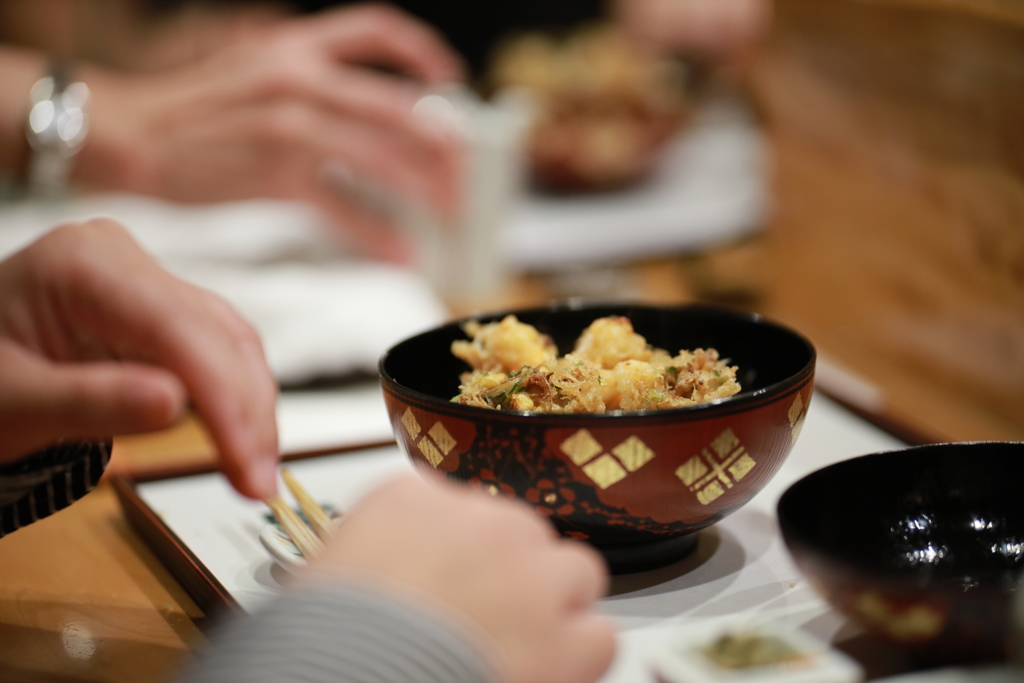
{"x": 635, "y": 485}
{"x": 605, "y": 107}
{"x": 923, "y": 546}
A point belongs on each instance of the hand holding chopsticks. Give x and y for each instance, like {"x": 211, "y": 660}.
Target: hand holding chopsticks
{"x": 309, "y": 543}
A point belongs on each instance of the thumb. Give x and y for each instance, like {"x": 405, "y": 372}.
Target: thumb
{"x": 41, "y": 401}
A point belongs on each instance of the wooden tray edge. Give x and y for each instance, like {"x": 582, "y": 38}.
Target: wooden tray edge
{"x": 188, "y": 570}
{"x": 191, "y": 469}
{"x": 195, "y": 578}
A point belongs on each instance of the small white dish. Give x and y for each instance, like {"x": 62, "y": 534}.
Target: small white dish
{"x": 281, "y": 547}
{"x": 686, "y": 658}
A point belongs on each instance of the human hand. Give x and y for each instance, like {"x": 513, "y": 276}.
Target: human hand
{"x": 490, "y": 564}
{"x": 97, "y": 339}
{"x": 715, "y": 28}
{"x": 265, "y": 115}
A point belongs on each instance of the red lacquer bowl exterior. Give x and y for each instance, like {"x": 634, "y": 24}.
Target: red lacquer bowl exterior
{"x": 614, "y": 479}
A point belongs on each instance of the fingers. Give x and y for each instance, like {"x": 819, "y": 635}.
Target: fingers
{"x": 42, "y": 402}
{"x": 370, "y": 119}
{"x": 260, "y": 117}
{"x": 221, "y": 361}
{"x": 492, "y": 565}
{"x": 109, "y": 296}
{"x": 363, "y": 177}
{"x": 426, "y": 175}
{"x": 366, "y": 232}
{"x": 385, "y": 36}
{"x": 585, "y": 651}
{"x": 285, "y": 140}
{"x": 714, "y": 27}
{"x": 584, "y": 572}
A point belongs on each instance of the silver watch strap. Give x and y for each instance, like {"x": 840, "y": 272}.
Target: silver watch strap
{"x": 58, "y": 122}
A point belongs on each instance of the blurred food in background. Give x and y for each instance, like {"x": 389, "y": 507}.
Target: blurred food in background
{"x": 605, "y": 106}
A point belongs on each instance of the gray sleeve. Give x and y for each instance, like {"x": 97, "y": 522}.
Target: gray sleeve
{"x": 338, "y": 635}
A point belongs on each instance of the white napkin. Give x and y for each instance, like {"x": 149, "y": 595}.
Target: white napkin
{"x": 323, "y": 320}
{"x": 319, "y": 312}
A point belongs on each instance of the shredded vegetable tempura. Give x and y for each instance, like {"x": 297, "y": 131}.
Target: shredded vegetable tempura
{"x": 515, "y": 367}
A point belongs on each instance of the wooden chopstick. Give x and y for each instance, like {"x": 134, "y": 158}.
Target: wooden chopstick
{"x": 316, "y": 515}
{"x": 303, "y": 537}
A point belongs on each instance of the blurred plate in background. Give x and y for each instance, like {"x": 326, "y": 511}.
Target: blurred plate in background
{"x": 710, "y": 188}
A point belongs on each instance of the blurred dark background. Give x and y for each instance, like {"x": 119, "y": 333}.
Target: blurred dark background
{"x": 472, "y": 27}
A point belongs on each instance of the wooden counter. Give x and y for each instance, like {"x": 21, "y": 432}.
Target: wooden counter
{"x": 83, "y": 599}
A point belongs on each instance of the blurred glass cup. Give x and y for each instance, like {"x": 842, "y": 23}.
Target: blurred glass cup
{"x": 463, "y": 257}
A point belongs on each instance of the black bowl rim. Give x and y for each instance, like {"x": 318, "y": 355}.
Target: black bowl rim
{"x": 742, "y": 399}
{"x": 791, "y": 534}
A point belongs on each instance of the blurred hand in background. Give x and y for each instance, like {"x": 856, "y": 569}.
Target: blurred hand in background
{"x": 723, "y": 30}
{"x": 96, "y": 339}
{"x": 262, "y": 114}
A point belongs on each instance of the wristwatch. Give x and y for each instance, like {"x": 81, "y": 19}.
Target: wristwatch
{"x": 58, "y": 122}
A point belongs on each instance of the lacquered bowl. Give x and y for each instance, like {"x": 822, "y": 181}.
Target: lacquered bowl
{"x": 635, "y": 485}
{"x": 923, "y": 546}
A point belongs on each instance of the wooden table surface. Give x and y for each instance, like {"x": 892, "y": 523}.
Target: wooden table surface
{"x": 869, "y": 254}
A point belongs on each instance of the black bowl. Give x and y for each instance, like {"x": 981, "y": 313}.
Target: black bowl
{"x": 635, "y": 485}
{"x": 923, "y": 546}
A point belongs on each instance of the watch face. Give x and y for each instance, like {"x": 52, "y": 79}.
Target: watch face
{"x": 58, "y": 118}
{"x": 57, "y": 125}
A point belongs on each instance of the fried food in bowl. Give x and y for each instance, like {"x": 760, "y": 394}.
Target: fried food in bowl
{"x": 611, "y": 367}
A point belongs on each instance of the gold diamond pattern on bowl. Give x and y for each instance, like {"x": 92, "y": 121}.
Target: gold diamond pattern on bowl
{"x": 796, "y": 431}
{"x": 605, "y": 471}
{"x": 628, "y": 456}
{"x": 410, "y": 424}
{"x": 918, "y": 621}
{"x": 717, "y": 468}
{"x": 724, "y": 443}
{"x": 796, "y": 418}
{"x": 796, "y": 409}
{"x": 582, "y": 447}
{"x": 430, "y": 452}
{"x": 442, "y": 438}
{"x": 691, "y": 470}
{"x": 743, "y": 464}
{"x": 709, "y": 493}
{"x": 633, "y": 453}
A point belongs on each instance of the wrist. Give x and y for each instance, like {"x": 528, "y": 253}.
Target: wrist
{"x": 114, "y": 155}
{"x": 19, "y": 69}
